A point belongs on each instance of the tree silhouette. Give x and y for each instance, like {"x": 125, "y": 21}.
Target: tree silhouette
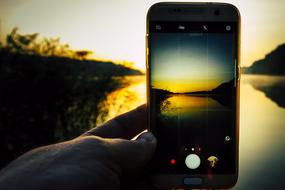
{"x": 34, "y": 44}
{"x": 82, "y": 54}
{"x": 21, "y": 43}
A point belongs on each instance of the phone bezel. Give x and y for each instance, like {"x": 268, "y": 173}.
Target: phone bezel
{"x": 201, "y": 12}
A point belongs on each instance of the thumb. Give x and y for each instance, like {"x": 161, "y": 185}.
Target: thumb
{"x": 132, "y": 155}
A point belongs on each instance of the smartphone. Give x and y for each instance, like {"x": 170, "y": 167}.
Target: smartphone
{"x": 193, "y": 94}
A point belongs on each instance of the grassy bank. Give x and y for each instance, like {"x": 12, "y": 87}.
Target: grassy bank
{"x": 49, "y": 99}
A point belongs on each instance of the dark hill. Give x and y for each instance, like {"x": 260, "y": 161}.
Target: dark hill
{"x": 63, "y": 64}
{"x": 224, "y": 88}
{"x": 44, "y": 100}
{"x": 224, "y": 93}
{"x": 272, "y": 64}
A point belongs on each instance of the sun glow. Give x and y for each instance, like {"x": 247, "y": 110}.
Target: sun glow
{"x": 182, "y": 86}
{"x": 115, "y": 30}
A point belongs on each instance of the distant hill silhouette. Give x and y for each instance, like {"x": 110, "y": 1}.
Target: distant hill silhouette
{"x": 224, "y": 88}
{"x": 161, "y": 91}
{"x": 222, "y": 93}
{"x": 272, "y": 64}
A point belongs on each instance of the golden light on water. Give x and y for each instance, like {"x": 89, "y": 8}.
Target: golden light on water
{"x": 123, "y": 99}
{"x": 262, "y": 140}
{"x": 261, "y": 135}
{"x": 188, "y": 102}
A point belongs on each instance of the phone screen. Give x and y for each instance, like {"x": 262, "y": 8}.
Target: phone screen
{"x": 193, "y": 96}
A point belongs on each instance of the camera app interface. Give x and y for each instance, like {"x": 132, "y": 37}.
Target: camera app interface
{"x": 193, "y": 79}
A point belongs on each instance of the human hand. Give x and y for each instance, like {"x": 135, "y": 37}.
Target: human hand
{"x": 102, "y": 158}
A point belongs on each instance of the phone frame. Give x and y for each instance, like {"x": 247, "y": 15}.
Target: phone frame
{"x": 202, "y": 12}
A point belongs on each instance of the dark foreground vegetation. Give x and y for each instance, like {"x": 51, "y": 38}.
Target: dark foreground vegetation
{"x": 49, "y": 93}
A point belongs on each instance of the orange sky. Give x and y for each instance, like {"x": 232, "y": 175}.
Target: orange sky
{"x": 115, "y": 29}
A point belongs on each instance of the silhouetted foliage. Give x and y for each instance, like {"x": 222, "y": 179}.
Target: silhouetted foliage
{"x": 45, "y": 98}
{"x": 82, "y": 54}
{"x": 21, "y": 43}
{"x": 33, "y": 44}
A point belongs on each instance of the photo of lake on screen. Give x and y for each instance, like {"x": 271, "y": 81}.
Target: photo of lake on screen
{"x": 262, "y": 141}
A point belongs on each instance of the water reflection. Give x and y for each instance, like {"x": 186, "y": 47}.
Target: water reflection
{"x": 188, "y": 120}
{"x": 123, "y": 99}
{"x": 184, "y": 104}
{"x": 272, "y": 86}
{"x": 262, "y": 137}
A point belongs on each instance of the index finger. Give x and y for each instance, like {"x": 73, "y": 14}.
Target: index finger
{"x": 124, "y": 126}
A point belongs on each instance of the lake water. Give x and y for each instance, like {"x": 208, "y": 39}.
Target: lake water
{"x": 262, "y": 124}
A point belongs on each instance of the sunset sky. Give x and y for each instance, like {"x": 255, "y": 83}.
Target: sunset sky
{"x": 191, "y": 62}
{"x": 115, "y": 29}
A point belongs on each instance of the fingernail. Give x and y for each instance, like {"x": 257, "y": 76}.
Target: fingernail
{"x": 146, "y": 137}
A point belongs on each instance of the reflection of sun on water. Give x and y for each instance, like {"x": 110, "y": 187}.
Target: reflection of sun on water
{"x": 123, "y": 99}
{"x": 184, "y": 85}
{"x": 261, "y": 125}
{"x": 261, "y": 134}
{"x": 188, "y": 101}
{"x": 186, "y": 104}
{"x": 259, "y": 115}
